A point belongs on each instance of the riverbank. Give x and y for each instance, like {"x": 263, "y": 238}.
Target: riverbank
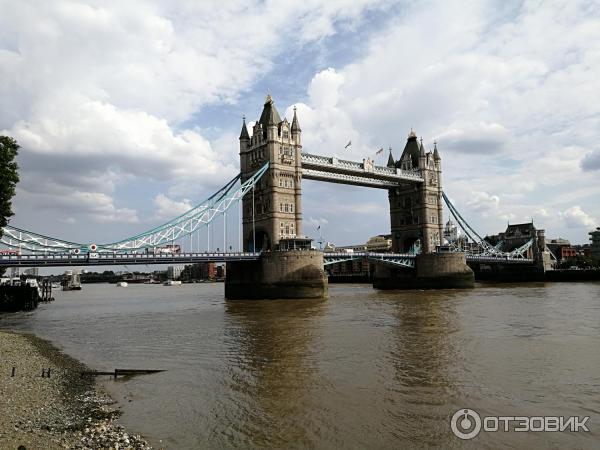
{"x": 59, "y": 411}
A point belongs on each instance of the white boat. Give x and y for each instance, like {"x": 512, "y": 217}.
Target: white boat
{"x": 122, "y": 284}
{"x": 71, "y": 281}
{"x": 171, "y": 283}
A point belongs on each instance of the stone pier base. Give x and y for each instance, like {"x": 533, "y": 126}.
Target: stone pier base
{"x": 278, "y": 274}
{"x": 432, "y": 271}
{"x": 507, "y": 273}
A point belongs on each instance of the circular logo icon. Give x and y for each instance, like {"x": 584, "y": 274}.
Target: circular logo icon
{"x": 465, "y": 424}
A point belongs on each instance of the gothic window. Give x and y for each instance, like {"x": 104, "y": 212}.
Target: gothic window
{"x": 286, "y": 134}
{"x": 281, "y": 207}
{"x": 291, "y": 208}
{"x": 286, "y": 207}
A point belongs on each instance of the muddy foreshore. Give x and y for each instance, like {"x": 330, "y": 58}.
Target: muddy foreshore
{"x": 60, "y": 411}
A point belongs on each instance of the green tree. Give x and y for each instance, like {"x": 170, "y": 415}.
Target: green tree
{"x": 9, "y": 177}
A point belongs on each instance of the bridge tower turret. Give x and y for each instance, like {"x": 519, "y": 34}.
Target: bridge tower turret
{"x": 276, "y": 208}
{"x": 416, "y": 210}
{"x": 437, "y": 160}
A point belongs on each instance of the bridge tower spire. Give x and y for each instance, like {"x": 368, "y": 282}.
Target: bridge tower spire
{"x": 277, "y": 198}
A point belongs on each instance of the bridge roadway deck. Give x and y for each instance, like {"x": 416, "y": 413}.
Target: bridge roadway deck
{"x": 118, "y": 259}
{"x": 113, "y": 259}
{"x": 390, "y": 256}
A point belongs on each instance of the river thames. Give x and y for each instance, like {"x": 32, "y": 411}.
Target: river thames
{"x": 364, "y": 369}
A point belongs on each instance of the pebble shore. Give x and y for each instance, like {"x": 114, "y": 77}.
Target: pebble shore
{"x": 62, "y": 411}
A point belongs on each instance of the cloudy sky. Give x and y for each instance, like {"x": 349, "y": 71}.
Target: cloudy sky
{"x": 129, "y": 112}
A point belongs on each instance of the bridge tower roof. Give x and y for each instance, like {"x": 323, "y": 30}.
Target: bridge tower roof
{"x": 412, "y": 149}
{"x": 269, "y": 115}
{"x": 244, "y": 134}
{"x": 391, "y": 162}
{"x": 295, "y": 123}
{"x": 436, "y": 154}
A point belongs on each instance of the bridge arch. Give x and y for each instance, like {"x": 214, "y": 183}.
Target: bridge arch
{"x": 263, "y": 241}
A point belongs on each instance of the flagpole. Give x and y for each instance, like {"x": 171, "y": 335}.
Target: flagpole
{"x": 320, "y": 238}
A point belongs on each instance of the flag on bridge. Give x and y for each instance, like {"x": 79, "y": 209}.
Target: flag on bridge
{"x": 348, "y": 144}
{"x": 319, "y": 227}
{"x": 379, "y": 152}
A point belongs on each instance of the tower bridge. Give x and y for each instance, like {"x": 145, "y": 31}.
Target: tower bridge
{"x": 275, "y": 259}
{"x": 413, "y": 183}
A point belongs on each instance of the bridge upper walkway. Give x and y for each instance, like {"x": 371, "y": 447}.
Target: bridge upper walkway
{"x": 335, "y": 170}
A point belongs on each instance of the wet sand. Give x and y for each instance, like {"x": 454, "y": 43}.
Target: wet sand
{"x": 62, "y": 411}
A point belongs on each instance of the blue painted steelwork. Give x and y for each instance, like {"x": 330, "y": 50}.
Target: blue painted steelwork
{"x": 397, "y": 259}
{"x": 113, "y": 259}
{"x": 177, "y": 228}
{"x": 487, "y": 249}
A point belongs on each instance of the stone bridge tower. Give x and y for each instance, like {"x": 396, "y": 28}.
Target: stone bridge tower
{"x": 416, "y": 209}
{"x": 277, "y": 196}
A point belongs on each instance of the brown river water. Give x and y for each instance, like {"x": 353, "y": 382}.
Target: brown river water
{"x": 364, "y": 369}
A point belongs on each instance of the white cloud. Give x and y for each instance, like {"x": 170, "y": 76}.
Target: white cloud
{"x": 482, "y": 202}
{"x": 95, "y": 206}
{"x": 99, "y": 94}
{"x": 135, "y": 142}
{"x": 328, "y": 127}
{"x": 503, "y": 89}
{"x": 167, "y": 208}
{"x": 575, "y": 217}
{"x": 316, "y": 222}
{"x": 475, "y": 138}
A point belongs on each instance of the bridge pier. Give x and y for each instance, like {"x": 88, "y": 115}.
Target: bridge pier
{"x": 506, "y": 273}
{"x": 288, "y": 274}
{"x": 432, "y": 271}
